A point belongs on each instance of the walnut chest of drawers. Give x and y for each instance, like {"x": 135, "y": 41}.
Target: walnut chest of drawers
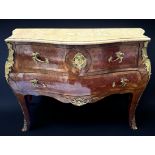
{"x": 78, "y": 66}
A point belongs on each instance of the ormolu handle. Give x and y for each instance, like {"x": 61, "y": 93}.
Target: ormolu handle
{"x": 36, "y": 58}
{"x": 123, "y": 82}
{"x": 35, "y": 83}
{"x": 114, "y": 84}
{"x": 119, "y": 57}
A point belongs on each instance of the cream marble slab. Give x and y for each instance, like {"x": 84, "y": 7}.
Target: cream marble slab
{"x": 78, "y": 36}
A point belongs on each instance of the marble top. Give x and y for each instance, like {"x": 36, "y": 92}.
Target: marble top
{"x": 80, "y": 36}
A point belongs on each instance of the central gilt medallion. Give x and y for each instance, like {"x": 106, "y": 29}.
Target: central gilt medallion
{"x": 79, "y": 61}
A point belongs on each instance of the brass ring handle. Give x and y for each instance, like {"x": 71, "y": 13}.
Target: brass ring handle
{"x": 119, "y": 57}
{"x": 36, "y": 58}
{"x": 35, "y": 83}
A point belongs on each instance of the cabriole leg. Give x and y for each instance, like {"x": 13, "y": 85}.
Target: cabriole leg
{"x": 132, "y": 109}
{"x": 23, "y": 104}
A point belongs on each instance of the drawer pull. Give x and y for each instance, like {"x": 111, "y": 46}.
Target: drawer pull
{"x": 113, "y": 84}
{"x": 123, "y": 82}
{"x": 36, "y": 58}
{"x": 35, "y": 83}
{"x": 119, "y": 57}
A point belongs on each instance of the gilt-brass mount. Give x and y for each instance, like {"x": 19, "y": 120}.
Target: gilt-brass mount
{"x": 79, "y": 61}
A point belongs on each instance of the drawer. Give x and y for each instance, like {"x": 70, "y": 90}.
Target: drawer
{"x": 34, "y": 83}
{"x": 35, "y": 57}
{"x": 114, "y": 56}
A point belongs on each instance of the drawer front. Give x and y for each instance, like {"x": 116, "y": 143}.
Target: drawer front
{"x": 32, "y": 83}
{"x": 39, "y": 57}
{"x": 114, "y": 56}
{"x": 75, "y": 59}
